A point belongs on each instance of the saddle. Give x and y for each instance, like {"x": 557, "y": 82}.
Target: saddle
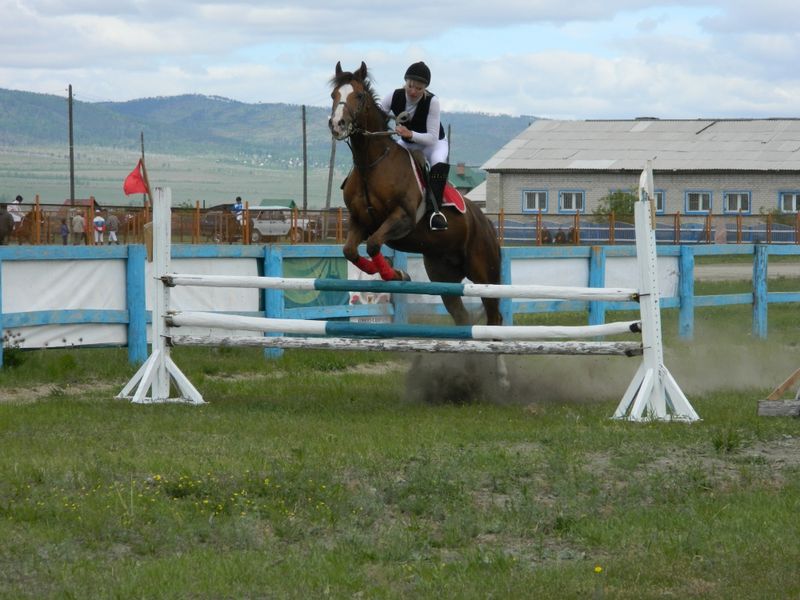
{"x": 451, "y": 197}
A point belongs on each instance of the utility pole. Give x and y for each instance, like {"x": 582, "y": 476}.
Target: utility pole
{"x": 330, "y": 187}
{"x": 305, "y": 164}
{"x": 71, "y": 152}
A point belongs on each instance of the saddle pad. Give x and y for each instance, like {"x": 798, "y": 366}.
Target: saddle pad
{"x": 451, "y": 197}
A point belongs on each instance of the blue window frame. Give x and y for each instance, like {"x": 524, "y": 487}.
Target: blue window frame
{"x": 571, "y": 201}
{"x": 735, "y": 202}
{"x": 698, "y": 202}
{"x": 534, "y": 201}
{"x": 789, "y": 202}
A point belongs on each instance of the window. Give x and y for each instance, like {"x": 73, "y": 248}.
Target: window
{"x": 698, "y": 202}
{"x": 660, "y": 200}
{"x": 534, "y": 201}
{"x": 790, "y": 202}
{"x": 570, "y": 201}
{"x": 735, "y": 202}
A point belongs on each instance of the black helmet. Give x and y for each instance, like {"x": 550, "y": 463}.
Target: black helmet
{"x": 18, "y": 199}
{"x": 419, "y": 71}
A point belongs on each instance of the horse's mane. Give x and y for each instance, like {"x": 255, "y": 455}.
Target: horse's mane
{"x": 348, "y": 77}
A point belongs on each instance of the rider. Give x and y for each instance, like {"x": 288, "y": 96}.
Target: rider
{"x": 16, "y": 210}
{"x": 416, "y": 112}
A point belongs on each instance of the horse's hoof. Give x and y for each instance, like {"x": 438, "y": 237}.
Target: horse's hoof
{"x": 402, "y": 275}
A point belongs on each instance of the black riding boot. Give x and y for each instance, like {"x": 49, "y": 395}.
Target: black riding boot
{"x": 437, "y": 180}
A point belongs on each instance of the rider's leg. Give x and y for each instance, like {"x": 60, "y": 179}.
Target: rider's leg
{"x": 437, "y": 181}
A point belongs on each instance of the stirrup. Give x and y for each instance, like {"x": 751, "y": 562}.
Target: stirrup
{"x": 437, "y": 222}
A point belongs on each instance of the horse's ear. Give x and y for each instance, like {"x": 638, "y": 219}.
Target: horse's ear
{"x": 362, "y": 71}
{"x": 338, "y": 68}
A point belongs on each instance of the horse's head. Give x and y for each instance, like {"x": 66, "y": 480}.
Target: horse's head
{"x": 354, "y": 103}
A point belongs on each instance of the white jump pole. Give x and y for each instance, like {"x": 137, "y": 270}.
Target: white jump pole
{"x": 653, "y": 394}
{"x": 158, "y": 371}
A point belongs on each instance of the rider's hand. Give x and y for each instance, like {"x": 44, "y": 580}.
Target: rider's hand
{"x": 404, "y": 132}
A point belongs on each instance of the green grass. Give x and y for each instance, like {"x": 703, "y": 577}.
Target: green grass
{"x": 317, "y": 475}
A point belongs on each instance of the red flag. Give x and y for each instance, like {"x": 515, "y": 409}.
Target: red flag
{"x": 134, "y": 183}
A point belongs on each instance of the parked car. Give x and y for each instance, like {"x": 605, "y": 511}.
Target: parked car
{"x": 275, "y": 222}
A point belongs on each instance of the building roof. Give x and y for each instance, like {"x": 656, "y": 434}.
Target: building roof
{"x": 684, "y": 145}
{"x": 464, "y": 177}
{"x": 478, "y": 193}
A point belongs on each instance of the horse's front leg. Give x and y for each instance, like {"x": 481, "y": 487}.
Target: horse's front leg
{"x": 397, "y": 226}
{"x": 356, "y": 235}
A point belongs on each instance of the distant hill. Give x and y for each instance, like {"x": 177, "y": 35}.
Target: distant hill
{"x": 269, "y": 135}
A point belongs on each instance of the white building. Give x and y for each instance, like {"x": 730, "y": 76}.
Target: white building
{"x": 719, "y": 167}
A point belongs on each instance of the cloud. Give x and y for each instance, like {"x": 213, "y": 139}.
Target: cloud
{"x": 585, "y": 59}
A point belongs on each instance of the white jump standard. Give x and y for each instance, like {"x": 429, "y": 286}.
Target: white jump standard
{"x": 652, "y": 394}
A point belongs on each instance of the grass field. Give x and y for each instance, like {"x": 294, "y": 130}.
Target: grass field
{"x": 99, "y": 172}
{"x": 322, "y": 475}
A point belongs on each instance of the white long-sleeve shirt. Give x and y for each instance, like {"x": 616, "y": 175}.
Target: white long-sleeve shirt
{"x": 431, "y": 136}
{"x": 434, "y": 149}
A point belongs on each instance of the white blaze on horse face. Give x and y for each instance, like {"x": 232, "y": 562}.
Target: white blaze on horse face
{"x": 339, "y": 127}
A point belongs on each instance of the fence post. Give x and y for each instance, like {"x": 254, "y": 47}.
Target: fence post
{"x": 273, "y": 298}
{"x": 760, "y": 291}
{"x": 597, "y": 279}
{"x": 686, "y": 292}
{"x": 137, "y": 304}
{"x": 506, "y": 305}
{"x": 400, "y": 301}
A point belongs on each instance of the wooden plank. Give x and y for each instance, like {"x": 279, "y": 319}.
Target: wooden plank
{"x": 778, "y": 392}
{"x": 417, "y": 345}
{"x": 779, "y": 408}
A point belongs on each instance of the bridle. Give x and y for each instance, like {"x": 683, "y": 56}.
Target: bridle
{"x": 354, "y": 130}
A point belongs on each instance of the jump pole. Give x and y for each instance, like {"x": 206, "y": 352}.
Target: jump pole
{"x": 159, "y": 371}
{"x": 653, "y": 393}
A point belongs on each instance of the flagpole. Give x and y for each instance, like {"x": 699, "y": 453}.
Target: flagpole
{"x": 144, "y": 172}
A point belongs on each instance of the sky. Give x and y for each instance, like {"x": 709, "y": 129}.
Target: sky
{"x": 581, "y": 59}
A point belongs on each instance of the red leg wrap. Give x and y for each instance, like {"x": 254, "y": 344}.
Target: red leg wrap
{"x": 384, "y": 268}
{"x": 366, "y": 265}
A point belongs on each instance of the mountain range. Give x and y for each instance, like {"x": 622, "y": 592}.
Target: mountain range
{"x": 269, "y": 135}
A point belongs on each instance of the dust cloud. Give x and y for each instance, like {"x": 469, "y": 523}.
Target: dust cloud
{"x": 730, "y": 361}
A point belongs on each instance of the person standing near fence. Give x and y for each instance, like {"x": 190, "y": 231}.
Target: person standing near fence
{"x": 16, "y": 211}
{"x": 64, "y": 231}
{"x": 99, "y": 226}
{"x": 112, "y": 224}
{"x": 78, "y": 229}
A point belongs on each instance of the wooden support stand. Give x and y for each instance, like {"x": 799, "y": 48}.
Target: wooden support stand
{"x": 774, "y": 406}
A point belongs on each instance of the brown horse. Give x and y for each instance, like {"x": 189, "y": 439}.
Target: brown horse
{"x": 25, "y": 231}
{"x": 386, "y": 205}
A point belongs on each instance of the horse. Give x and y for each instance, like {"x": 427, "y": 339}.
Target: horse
{"x": 25, "y": 229}
{"x": 386, "y": 204}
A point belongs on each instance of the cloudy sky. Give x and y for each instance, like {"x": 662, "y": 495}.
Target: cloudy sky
{"x": 580, "y": 59}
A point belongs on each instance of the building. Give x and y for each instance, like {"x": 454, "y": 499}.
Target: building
{"x": 701, "y": 167}
{"x": 465, "y": 178}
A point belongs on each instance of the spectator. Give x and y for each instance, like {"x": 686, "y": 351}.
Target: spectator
{"x": 64, "y": 230}
{"x": 6, "y": 224}
{"x": 78, "y": 229}
{"x": 238, "y": 210}
{"x": 16, "y": 211}
{"x": 99, "y": 226}
{"x": 113, "y": 226}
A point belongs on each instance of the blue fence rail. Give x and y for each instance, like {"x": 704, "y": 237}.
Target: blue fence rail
{"x": 748, "y": 232}
{"x": 274, "y": 259}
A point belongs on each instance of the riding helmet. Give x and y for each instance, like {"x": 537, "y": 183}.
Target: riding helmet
{"x": 419, "y": 71}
